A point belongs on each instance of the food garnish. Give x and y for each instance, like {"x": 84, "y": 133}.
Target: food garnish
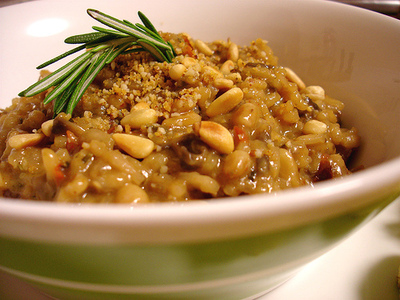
{"x": 102, "y": 47}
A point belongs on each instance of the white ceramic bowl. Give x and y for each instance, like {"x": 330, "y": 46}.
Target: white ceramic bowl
{"x": 223, "y": 249}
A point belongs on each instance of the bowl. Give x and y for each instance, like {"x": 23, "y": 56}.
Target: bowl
{"x": 232, "y": 248}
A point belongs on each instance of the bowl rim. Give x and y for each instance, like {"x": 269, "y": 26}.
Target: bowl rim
{"x": 201, "y": 220}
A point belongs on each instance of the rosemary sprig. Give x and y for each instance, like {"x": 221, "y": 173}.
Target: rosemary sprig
{"x": 102, "y": 47}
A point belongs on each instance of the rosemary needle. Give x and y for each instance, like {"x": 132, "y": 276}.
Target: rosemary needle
{"x": 102, "y": 47}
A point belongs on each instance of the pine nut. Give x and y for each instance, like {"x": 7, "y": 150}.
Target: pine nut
{"x": 227, "y": 67}
{"x": 293, "y": 77}
{"x": 131, "y": 194}
{"x": 189, "y": 61}
{"x": 177, "y": 71}
{"x": 140, "y": 105}
{"x": 203, "y": 48}
{"x": 140, "y": 117}
{"x": 237, "y": 164}
{"x": 47, "y": 127}
{"x": 315, "y": 92}
{"x": 223, "y": 83}
{"x": 20, "y": 141}
{"x": 135, "y": 146}
{"x": 225, "y": 103}
{"x": 216, "y": 136}
{"x": 233, "y": 52}
{"x": 314, "y": 127}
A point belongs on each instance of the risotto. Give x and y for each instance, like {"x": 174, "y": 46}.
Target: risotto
{"x": 220, "y": 120}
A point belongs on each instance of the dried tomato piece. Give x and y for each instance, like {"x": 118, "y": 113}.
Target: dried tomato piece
{"x": 72, "y": 142}
{"x": 239, "y": 135}
{"x": 324, "y": 170}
